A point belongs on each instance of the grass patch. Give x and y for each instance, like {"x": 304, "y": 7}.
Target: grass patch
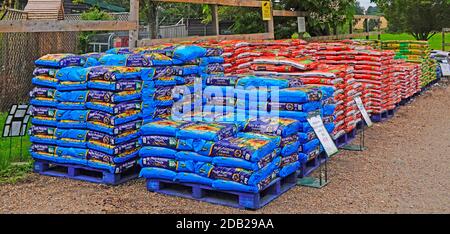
{"x": 7, "y": 156}
{"x": 435, "y": 42}
{"x": 15, "y": 172}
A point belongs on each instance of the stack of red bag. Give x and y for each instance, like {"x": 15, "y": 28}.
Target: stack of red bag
{"x": 408, "y": 74}
{"x": 372, "y": 70}
{"x": 239, "y": 55}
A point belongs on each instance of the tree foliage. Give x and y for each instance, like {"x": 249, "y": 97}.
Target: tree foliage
{"x": 421, "y": 18}
{"x": 92, "y": 14}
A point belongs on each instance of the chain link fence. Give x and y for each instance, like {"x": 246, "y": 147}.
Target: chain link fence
{"x": 18, "y": 51}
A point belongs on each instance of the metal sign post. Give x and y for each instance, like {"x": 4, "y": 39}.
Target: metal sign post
{"x": 16, "y": 124}
{"x": 315, "y": 120}
{"x": 367, "y": 120}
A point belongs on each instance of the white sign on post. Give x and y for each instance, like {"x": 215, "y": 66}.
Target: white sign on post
{"x": 321, "y": 132}
{"x": 363, "y": 111}
{"x": 301, "y": 24}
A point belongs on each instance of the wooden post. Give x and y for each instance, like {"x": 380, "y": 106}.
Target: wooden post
{"x": 270, "y": 23}
{"x": 134, "y": 17}
{"x": 215, "y": 19}
{"x": 367, "y": 29}
{"x": 443, "y": 39}
{"x": 379, "y": 29}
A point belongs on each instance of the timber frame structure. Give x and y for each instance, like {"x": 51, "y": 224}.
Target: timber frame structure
{"x": 132, "y": 24}
{"x": 270, "y": 34}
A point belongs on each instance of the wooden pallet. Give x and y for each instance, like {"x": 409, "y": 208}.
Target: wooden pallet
{"x": 85, "y": 173}
{"x": 234, "y": 199}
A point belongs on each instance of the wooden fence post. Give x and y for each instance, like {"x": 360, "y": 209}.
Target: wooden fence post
{"x": 215, "y": 19}
{"x": 134, "y": 16}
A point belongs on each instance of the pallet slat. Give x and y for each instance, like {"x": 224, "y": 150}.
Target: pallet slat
{"x": 234, "y": 199}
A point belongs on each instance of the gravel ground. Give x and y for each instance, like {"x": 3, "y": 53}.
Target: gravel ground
{"x": 405, "y": 170}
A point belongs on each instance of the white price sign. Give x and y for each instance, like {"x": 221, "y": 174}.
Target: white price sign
{"x": 363, "y": 111}
{"x": 301, "y": 24}
{"x": 321, "y": 132}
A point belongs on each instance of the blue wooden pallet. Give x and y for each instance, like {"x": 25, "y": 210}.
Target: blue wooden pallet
{"x": 85, "y": 173}
{"x": 383, "y": 116}
{"x": 234, "y": 199}
{"x": 309, "y": 167}
{"x": 405, "y": 101}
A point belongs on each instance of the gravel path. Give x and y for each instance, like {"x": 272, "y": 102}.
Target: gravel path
{"x": 405, "y": 170}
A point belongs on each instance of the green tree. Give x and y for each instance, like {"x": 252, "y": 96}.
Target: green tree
{"x": 92, "y": 14}
{"x": 421, "y": 18}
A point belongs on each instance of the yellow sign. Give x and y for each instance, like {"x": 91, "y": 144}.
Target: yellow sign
{"x": 266, "y": 11}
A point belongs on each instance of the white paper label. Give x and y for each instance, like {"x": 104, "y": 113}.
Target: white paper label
{"x": 445, "y": 67}
{"x": 301, "y": 24}
{"x": 323, "y": 135}
{"x": 363, "y": 111}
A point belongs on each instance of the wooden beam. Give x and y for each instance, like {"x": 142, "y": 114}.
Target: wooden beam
{"x": 134, "y": 16}
{"x": 271, "y": 23}
{"x": 241, "y": 3}
{"x": 284, "y": 13}
{"x": 256, "y": 36}
{"x": 9, "y": 26}
{"x": 215, "y": 19}
{"x": 376, "y": 17}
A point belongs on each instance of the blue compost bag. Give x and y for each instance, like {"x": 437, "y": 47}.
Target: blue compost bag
{"x": 105, "y": 139}
{"x": 281, "y": 127}
{"x": 157, "y": 173}
{"x": 309, "y": 146}
{"x": 300, "y": 116}
{"x": 249, "y": 147}
{"x": 151, "y": 151}
{"x": 209, "y": 60}
{"x": 304, "y": 137}
{"x": 192, "y": 156}
{"x": 155, "y": 113}
{"x": 189, "y": 53}
{"x": 43, "y": 114}
{"x": 136, "y": 60}
{"x": 112, "y": 97}
{"x": 290, "y": 148}
{"x": 43, "y": 149}
{"x": 42, "y": 96}
{"x": 113, "y": 108}
{"x": 300, "y": 94}
{"x": 163, "y": 93}
{"x": 105, "y": 119}
{"x": 305, "y": 127}
{"x": 187, "y": 178}
{"x": 116, "y": 130}
{"x": 206, "y": 131}
{"x": 71, "y": 138}
{"x": 161, "y": 82}
{"x": 116, "y": 86}
{"x": 117, "y": 149}
{"x": 60, "y": 60}
{"x": 328, "y": 110}
{"x": 71, "y": 155}
{"x": 45, "y": 81}
{"x": 119, "y": 50}
{"x": 42, "y": 134}
{"x": 212, "y": 68}
{"x": 161, "y": 128}
{"x": 113, "y": 73}
{"x": 261, "y": 94}
{"x": 220, "y": 80}
{"x": 185, "y": 70}
{"x": 71, "y": 118}
{"x": 72, "y": 74}
{"x": 258, "y": 81}
{"x": 167, "y": 163}
{"x": 45, "y": 71}
{"x": 297, "y": 107}
{"x": 289, "y": 169}
{"x": 159, "y": 141}
{"x": 71, "y": 100}
{"x": 114, "y": 164}
{"x": 241, "y": 163}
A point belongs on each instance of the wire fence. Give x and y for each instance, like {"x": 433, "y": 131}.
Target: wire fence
{"x": 18, "y": 51}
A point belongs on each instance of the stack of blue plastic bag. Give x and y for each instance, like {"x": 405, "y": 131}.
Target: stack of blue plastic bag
{"x": 113, "y": 116}
{"x": 212, "y": 154}
{"x": 50, "y": 106}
